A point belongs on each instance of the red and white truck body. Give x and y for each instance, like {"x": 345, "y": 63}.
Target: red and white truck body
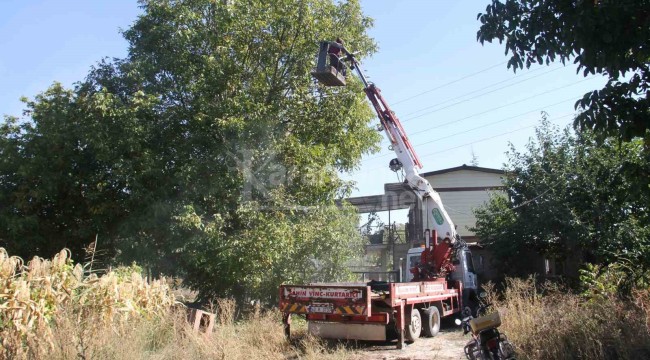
{"x": 356, "y": 311}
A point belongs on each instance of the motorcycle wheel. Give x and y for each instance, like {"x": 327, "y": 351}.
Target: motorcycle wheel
{"x": 506, "y": 350}
{"x": 472, "y": 352}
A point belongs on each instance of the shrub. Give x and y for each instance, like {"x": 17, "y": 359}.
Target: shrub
{"x": 54, "y": 309}
{"x": 547, "y": 322}
{"x": 37, "y": 299}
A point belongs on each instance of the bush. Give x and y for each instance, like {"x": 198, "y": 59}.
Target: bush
{"x": 547, "y": 322}
{"x": 54, "y": 309}
{"x": 39, "y": 299}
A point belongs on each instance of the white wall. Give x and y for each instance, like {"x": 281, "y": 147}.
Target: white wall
{"x": 465, "y": 178}
{"x": 459, "y": 204}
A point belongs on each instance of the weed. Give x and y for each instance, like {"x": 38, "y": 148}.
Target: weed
{"x": 53, "y": 309}
{"x": 548, "y": 322}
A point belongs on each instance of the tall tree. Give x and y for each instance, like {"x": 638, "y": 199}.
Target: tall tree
{"x": 209, "y": 150}
{"x": 601, "y": 36}
{"x": 570, "y": 198}
{"x": 61, "y": 181}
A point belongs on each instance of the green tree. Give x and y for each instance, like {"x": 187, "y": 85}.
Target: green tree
{"x": 209, "y": 151}
{"x": 61, "y": 178}
{"x": 570, "y": 198}
{"x": 605, "y": 37}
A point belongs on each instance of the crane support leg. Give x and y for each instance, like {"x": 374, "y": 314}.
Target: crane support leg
{"x": 400, "y": 323}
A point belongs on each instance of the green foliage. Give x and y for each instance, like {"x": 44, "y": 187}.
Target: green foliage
{"x": 569, "y": 198}
{"x": 622, "y": 277}
{"x": 600, "y": 282}
{"x": 195, "y": 154}
{"x": 277, "y": 246}
{"x": 605, "y": 37}
{"x": 496, "y": 224}
{"x": 124, "y": 272}
{"x": 61, "y": 177}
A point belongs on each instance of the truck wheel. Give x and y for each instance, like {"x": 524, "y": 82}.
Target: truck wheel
{"x": 413, "y": 327}
{"x": 431, "y": 321}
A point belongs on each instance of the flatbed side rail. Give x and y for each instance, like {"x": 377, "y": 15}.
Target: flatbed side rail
{"x": 325, "y": 299}
{"x": 413, "y": 291}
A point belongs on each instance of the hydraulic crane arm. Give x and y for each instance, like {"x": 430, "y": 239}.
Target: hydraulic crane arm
{"x": 436, "y": 217}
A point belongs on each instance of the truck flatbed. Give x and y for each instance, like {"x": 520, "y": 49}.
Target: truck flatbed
{"x": 356, "y": 311}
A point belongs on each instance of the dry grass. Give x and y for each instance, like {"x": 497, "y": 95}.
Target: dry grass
{"x": 545, "y": 322}
{"x": 170, "y": 337}
{"x": 53, "y": 309}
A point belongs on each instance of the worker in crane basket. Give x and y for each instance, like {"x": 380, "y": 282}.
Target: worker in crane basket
{"x": 334, "y": 51}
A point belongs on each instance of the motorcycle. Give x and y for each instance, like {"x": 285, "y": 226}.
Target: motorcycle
{"x": 487, "y": 342}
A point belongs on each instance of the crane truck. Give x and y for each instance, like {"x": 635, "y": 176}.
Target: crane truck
{"x": 441, "y": 281}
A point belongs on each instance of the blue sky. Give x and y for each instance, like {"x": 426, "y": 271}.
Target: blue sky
{"x": 46, "y": 41}
{"x": 423, "y": 47}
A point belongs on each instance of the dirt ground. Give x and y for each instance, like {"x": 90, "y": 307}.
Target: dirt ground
{"x": 447, "y": 345}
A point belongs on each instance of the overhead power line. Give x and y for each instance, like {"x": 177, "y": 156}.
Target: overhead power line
{"x": 492, "y": 123}
{"x": 451, "y": 82}
{"x": 485, "y": 125}
{"x": 477, "y": 96}
{"x": 498, "y": 107}
{"x": 487, "y": 138}
{"x": 493, "y": 109}
{"x": 471, "y": 143}
{"x": 459, "y": 146}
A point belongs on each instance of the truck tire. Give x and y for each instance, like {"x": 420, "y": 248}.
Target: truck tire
{"x": 413, "y": 327}
{"x": 431, "y": 321}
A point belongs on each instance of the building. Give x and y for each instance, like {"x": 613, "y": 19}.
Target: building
{"x": 461, "y": 188}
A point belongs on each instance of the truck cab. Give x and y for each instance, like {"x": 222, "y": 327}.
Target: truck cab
{"x": 464, "y": 270}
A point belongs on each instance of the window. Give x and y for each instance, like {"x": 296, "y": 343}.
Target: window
{"x": 415, "y": 260}
{"x": 470, "y": 262}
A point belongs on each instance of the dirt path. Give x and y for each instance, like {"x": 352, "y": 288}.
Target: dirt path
{"x": 447, "y": 345}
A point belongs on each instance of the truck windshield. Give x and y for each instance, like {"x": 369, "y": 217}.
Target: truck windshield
{"x": 414, "y": 260}
{"x": 470, "y": 261}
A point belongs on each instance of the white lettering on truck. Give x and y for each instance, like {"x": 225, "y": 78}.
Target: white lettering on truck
{"x": 323, "y": 293}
